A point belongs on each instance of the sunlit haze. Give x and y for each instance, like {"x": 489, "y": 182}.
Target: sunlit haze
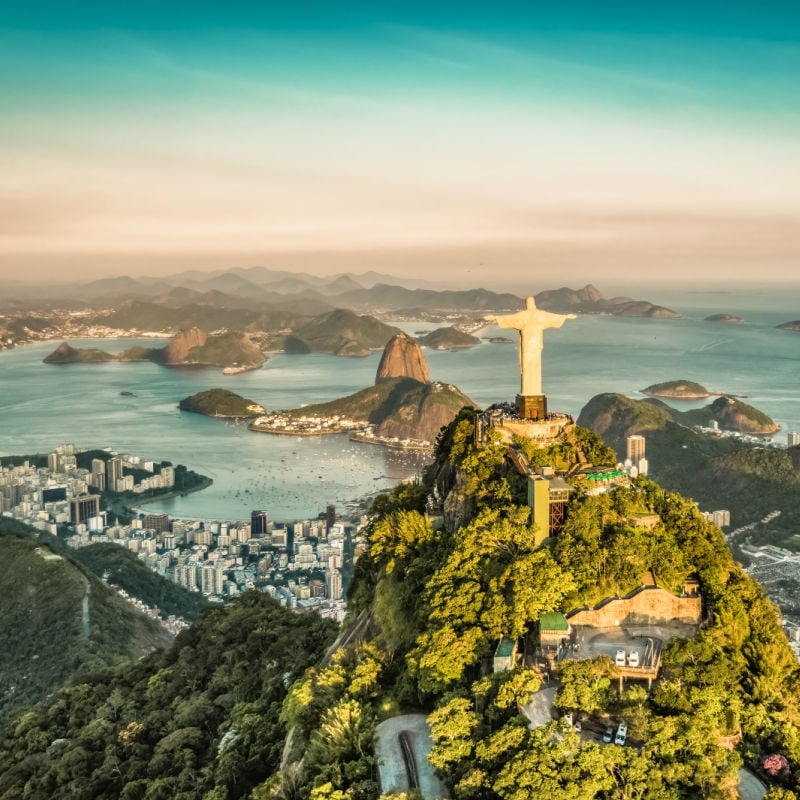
{"x": 497, "y": 139}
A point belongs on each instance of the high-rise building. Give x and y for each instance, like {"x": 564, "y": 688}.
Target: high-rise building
{"x": 333, "y": 584}
{"x": 635, "y": 446}
{"x": 83, "y": 507}
{"x": 212, "y": 580}
{"x": 258, "y": 523}
{"x": 168, "y": 476}
{"x": 156, "y": 522}
{"x": 330, "y": 516}
{"x": 793, "y": 439}
{"x": 113, "y": 472}
{"x": 53, "y": 462}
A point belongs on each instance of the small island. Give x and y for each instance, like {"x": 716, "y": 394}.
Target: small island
{"x": 730, "y": 318}
{"x": 794, "y": 325}
{"x": 221, "y": 403}
{"x": 678, "y": 390}
{"x": 66, "y": 354}
{"x": 448, "y": 339}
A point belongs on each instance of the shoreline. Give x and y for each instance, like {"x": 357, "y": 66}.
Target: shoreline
{"x": 204, "y": 484}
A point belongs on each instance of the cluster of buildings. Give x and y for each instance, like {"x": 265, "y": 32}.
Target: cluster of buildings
{"x": 278, "y": 422}
{"x": 299, "y": 564}
{"x": 63, "y": 493}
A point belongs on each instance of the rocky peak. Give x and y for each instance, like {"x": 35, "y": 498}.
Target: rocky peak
{"x": 402, "y": 358}
{"x": 178, "y": 348}
{"x": 61, "y": 352}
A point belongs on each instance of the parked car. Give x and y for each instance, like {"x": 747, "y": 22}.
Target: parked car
{"x": 633, "y": 658}
{"x": 622, "y": 733}
{"x": 609, "y": 734}
{"x": 620, "y": 659}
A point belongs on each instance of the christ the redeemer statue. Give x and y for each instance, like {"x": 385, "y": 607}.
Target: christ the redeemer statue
{"x": 531, "y": 323}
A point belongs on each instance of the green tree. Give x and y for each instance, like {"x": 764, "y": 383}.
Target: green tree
{"x": 452, "y": 725}
{"x": 586, "y": 685}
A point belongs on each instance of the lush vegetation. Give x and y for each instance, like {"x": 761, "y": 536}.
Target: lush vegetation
{"x": 444, "y": 597}
{"x": 749, "y": 480}
{"x": 200, "y": 720}
{"x": 229, "y": 349}
{"x": 401, "y": 407}
{"x": 430, "y": 599}
{"x": 220, "y": 403}
{"x": 45, "y": 639}
{"x": 122, "y": 568}
{"x": 341, "y": 332}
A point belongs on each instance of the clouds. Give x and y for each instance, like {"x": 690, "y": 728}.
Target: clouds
{"x": 412, "y": 142}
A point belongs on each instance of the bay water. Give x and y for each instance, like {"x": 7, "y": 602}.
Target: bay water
{"x": 290, "y": 477}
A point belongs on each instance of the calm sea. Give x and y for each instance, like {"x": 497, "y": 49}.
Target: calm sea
{"x": 42, "y": 406}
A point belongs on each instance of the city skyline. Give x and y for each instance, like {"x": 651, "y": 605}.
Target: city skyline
{"x": 337, "y": 137}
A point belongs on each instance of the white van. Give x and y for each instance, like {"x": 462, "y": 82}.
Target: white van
{"x": 633, "y": 658}
{"x": 620, "y": 659}
{"x": 622, "y": 732}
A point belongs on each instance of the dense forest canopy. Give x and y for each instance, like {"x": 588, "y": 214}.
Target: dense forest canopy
{"x": 251, "y": 702}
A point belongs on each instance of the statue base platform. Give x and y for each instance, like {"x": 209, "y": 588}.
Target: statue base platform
{"x": 532, "y": 406}
{"x": 543, "y": 432}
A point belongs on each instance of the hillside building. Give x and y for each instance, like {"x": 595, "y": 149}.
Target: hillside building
{"x": 548, "y": 496}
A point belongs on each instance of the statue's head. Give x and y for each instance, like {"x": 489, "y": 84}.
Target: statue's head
{"x": 530, "y": 302}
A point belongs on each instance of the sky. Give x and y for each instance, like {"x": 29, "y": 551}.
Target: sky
{"x": 496, "y": 139}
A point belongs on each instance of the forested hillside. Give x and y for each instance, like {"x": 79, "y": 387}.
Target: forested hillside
{"x": 59, "y": 620}
{"x": 250, "y": 702}
{"x": 444, "y": 597}
{"x": 199, "y": 720}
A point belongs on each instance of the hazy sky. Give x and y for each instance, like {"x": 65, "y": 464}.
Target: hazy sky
{"x": 590, "y": 139}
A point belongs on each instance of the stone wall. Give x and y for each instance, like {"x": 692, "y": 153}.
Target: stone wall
{"x": 645, "y": 606}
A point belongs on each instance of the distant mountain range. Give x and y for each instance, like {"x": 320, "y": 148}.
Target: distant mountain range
{"x": 263, "y": 291}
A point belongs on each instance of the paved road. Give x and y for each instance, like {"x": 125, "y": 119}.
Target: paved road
{"x": 750, "y": 787}
{"x": 541, "y": 709}
{"x": 391, "y": 764}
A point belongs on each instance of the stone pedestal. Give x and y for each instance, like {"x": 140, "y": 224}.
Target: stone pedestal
{"x": 532, "y": 406}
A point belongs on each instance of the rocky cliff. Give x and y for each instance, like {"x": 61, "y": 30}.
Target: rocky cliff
{"x": 177, "y": 350}
{"x": 402, "y": 358}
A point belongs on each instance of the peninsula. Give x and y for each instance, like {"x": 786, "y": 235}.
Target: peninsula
{"x": 794, "y": 325}
{"x": 615, "y": 416}
{"x": 403, "y": 409}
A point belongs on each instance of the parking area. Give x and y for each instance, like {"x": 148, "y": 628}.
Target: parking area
{"x": 629, "y": 649}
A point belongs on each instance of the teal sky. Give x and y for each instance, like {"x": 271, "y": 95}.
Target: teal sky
{"x": 528, "y": 136}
